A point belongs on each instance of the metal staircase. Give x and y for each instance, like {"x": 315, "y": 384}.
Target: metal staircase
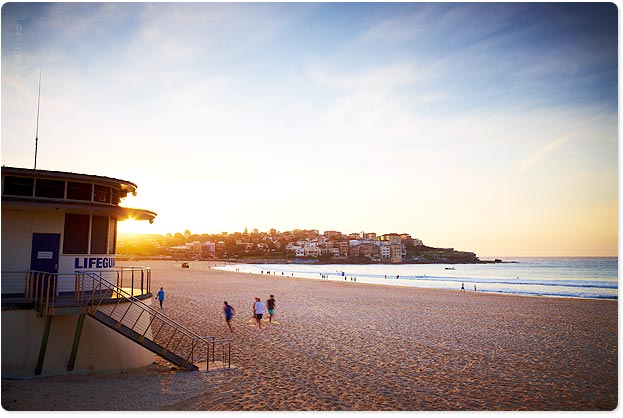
{"x": 119, "y": 309}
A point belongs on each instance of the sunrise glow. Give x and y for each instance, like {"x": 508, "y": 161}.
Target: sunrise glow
{"x": 451, "y": 122}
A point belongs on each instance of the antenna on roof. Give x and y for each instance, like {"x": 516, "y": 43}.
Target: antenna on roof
{"x": 37, "y": 133}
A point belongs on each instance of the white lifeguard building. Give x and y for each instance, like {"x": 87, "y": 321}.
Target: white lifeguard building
{"x": 66, "y": 306}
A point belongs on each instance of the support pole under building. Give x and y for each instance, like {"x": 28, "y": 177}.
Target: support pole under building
{"x": 44, "y": 344}
{"x": 74, "y": 348}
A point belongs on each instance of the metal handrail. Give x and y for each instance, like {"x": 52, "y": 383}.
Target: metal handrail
{"x": 224, "y": 358}
{"x": 91, "y": 290}
{"x": 41, "y": 287}
{"x": 210, "y": 341}
{"x": 133, "y": 299}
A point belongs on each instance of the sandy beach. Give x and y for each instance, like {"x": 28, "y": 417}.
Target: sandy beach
{"x": 351, "y": 346}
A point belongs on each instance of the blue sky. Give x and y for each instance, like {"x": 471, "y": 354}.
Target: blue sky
{"x": 485, "y": 127}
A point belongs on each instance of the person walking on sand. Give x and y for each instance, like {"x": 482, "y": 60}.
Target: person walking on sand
{"x": 229, "y": 313}
{"x": 270, "y": 305}
{"x": 160, "y": 296}
{"x": 258, "y": 312}
{"x": 462, "y": 287}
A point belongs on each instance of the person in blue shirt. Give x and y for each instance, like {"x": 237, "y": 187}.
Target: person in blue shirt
{"x": 160, "y": 296}
{"x": 229, "y": 312}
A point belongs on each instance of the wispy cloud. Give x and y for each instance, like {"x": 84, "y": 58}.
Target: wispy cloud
{"x": 544, "y": 152}
{"x": 448, "y": 101}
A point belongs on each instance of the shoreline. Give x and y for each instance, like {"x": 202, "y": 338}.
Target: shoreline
{"x": 407, "y": 282}
{"x": 342, "y": 346}
{"x": 431, "y": 289}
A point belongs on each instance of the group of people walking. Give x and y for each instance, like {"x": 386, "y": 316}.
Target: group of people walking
{"x": 258, "y": 311}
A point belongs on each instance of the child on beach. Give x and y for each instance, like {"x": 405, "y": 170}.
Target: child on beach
{"x": 229, "y": 313}
{"x": 258, "y": 312}
{"x": 270, "y": 305}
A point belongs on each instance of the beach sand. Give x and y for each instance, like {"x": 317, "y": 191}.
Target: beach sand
{"x": 351, "y": 346}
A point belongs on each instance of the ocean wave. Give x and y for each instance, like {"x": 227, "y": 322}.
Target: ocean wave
{"x": 550, "y": 278}
{"x": 518, "y": 282}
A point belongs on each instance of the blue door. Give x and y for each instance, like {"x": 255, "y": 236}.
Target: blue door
{"x": 44, "y": 255}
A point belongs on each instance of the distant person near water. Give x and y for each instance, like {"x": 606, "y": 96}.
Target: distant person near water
{"x": 160, "y": 296}
{"x": 270, "y": 305}
{"x": 229, "y": 312}
{"x": 258, "y": 311}
{"x": 462, "y": 287}
{"x": 474, "y": 288}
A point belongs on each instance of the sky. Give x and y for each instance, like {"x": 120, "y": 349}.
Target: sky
{"x": 486, "y": 127}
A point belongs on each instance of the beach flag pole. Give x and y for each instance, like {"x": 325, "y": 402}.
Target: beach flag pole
{"x": 37, "y": 131}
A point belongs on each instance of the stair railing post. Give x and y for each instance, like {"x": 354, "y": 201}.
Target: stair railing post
{"x": 139, "y": 317}
{"x": 92, "y": 290}
{"x": 179, "y": 342}
{"x": 147, "y": 329}
{"x": 46, "y": 289}
{"x": 169, "y": 342}
{"x": 26, "y": 285}
{"x": 207, "y": 356}
{"x": 158, "y": 332}
{"x": 123, "y": 317}
{"x": 35, "y": 292}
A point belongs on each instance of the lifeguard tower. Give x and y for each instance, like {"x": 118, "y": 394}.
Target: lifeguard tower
{"x": 66, "y": 306}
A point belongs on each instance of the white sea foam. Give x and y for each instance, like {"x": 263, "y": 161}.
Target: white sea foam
{"x": 595, "y": 278}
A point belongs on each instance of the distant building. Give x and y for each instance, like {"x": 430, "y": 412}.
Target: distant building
{"x": 311, "y": 251}
{"x": 189, "y": 250}
{"x": 396, "y": 251}
{"x": 208, "y": 249}
{"x": 343, "y": 248}
{"x": 390, "y": 237}
{"x": 368, "y": 249}
{"x": 385, "y": 250}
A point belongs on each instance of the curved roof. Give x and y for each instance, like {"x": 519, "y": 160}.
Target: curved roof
{"x": 92, "y": 207}
{"x": 63, "y": 175}
{"x": 103, "y": 209}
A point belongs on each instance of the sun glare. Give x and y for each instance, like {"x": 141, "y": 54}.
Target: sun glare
{"x": 132, "y": 226}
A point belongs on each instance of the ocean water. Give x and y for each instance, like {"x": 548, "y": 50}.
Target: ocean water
{"x": 573, "y": 277}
